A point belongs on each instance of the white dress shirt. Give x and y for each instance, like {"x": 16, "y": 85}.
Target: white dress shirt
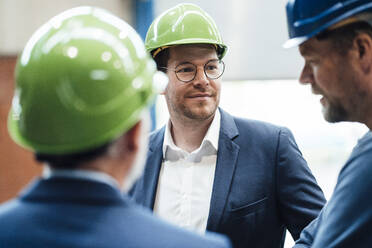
{"x": 186, "y": 180}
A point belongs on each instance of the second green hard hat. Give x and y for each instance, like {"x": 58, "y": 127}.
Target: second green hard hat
{"x": 184, "y": 24}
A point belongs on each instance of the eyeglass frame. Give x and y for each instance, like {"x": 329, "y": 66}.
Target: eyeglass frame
{"x": 196, "y": 71}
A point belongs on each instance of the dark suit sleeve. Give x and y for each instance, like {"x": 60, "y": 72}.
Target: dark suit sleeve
{"x": 347, "y": 218}
{"x": 300, "y": 199}
{"x": 307, "y": 235}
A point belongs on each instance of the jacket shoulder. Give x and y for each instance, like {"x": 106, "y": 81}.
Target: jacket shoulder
{"x": 257, "y": 124}
{"x": 250, "y": 126}
{"x": 260, "y": 129}
{"x": 248, "y": 132}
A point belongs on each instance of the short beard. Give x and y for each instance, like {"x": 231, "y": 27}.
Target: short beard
{"x": 335, "y": 113}
{"x": 356, "y": 111}
{"x": 200, "y": 116}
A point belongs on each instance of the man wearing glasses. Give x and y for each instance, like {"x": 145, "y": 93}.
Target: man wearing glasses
{"x": 207, "y": 170}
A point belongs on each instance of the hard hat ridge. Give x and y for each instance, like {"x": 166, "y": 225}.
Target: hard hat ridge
{"x": 183, "y": 24}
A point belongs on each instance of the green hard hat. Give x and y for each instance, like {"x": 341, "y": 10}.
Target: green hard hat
{"x": 82, "y": 80}
{"x": 183, "y": 24}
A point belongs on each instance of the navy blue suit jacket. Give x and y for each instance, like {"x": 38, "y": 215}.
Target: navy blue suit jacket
{"x": 346, "y": 220}
{"x": 70, "y": 213}
{"x": 262, "y": 184}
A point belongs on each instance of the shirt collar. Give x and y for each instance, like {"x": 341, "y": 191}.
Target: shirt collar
{"x": 212, "y": 135}
{"x": 80, "y": 174}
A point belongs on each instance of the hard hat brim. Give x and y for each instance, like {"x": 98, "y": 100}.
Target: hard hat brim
{"x": 294, "y": 42}
{"x": 223, "y": 47}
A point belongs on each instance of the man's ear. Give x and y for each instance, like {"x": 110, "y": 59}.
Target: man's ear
{"x": 132, "y": 137}
{"x": 363, "y": 44}
{"x": 164, "y": 90}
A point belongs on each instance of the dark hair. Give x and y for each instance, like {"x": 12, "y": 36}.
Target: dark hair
{"x": 73, "y": 160}
{"x": 342, "y": 38}
{"x": 161, "y": 60}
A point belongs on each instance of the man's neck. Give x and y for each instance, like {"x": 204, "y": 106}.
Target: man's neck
{"x": 188, "y": 135}
{"x": 368, "y": 123}
{"x": 78, "y": 173}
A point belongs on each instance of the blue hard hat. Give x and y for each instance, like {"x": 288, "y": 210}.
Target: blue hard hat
{"x": 307, "y": 18}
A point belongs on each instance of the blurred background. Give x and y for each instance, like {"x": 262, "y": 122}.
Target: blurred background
{"x": 260, "y": 80}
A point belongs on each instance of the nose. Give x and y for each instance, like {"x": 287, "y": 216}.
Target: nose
{"x": 306, "y": 76}
{"x": 201, "y": 78}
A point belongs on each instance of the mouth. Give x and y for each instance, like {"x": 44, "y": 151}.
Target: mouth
{"x": 200, "y": 96}
{"x": 319, "y": 95}
{"x": 322, "y": 99}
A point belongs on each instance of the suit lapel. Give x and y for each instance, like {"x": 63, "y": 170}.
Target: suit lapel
{"x": 152, "y": 170}
{"x": 225, "y": 167}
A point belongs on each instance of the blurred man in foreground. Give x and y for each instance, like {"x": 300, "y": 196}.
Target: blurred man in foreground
{"x": 83, "y": 83}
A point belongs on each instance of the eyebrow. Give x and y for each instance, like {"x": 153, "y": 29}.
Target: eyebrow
{"x": 183, "y": 63}
{"x": 188, "y": 62}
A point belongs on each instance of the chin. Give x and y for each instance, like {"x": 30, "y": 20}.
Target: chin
{"x": 335, "y": 114}
{"x": 201, "y": 113}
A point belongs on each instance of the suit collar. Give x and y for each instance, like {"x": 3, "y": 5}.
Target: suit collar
{"x": 228, "y": 126}
{"x": 80, "y": 174}
{"x": 152, "y": 169}
{"x": 71, "y": 190}
{"x": 156, "y": 139}
{"x": 227, "y": 156}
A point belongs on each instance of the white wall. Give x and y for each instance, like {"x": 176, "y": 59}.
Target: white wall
{"x": 254, "y": 30}
{"x": 20, "y": 18}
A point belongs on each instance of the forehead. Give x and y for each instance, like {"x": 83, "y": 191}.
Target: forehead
{"x": 313, "y": 47}
{"x": 192, "y": 52}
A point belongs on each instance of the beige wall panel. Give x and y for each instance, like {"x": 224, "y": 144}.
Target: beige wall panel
{"x": 20, "y": 18}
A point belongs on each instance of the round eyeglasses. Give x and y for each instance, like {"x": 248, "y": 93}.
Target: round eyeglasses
{"x": 186, "y": 72}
